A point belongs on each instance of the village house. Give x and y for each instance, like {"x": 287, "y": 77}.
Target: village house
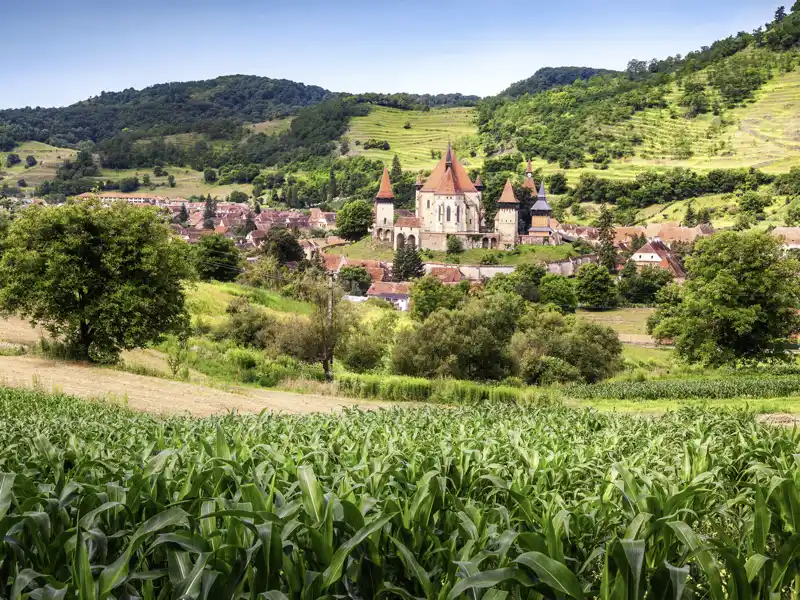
{"x": 789, "y": 235}
{"x": 396, "y": 293}
{"x": 656, "y": 254}
{"x": 322, "y": 220}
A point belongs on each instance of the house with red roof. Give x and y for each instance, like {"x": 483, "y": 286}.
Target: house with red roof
{"x": 655, "y": 253}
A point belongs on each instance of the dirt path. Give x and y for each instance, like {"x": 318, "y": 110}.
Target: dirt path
{"x": 161, "y": 396}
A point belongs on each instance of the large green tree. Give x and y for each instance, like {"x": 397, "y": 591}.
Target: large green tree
{"x": 595, "y": 287}
{"x": 429, "y": 294}
{"x": 607, "y": 252}
{"x": 558, "y": 290}
{"x": 354, "y": 220}
{"x": 740, "y": 301}
{"x": 281, "y": 244}
{"x": 216, "y": 257}
{"x": 101, "y": 279}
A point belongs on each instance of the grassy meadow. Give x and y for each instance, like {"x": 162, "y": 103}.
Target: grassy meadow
{"x": 367, "y": 249}
{"x": 430, "y": 130}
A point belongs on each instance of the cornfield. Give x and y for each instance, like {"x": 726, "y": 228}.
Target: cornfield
{"x": 687, "y": 389}
{"x": 495, "y": 501}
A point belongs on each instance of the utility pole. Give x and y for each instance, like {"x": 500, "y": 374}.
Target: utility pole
{"x": 329, "y": 330}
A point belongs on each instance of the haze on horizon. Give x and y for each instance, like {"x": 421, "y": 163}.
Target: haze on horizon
{"x": 79, "y": 49}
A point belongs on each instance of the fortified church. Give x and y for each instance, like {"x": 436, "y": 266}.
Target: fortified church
{"x": 450, "y": 203}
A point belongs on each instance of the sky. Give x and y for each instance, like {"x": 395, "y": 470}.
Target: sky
{"x": 56, "y": 53}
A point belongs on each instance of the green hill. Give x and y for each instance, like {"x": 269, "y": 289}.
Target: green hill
{"x": 548, "y": 78}
{"x": 428, "y": 131}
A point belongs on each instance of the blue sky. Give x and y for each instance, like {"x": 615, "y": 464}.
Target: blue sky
{"x": 57, "y": 52}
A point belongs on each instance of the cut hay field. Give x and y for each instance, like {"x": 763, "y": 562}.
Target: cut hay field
{"x": 48, "y": 159}
{"x": 272, "y": 127}
{"x": 430, "y": 130}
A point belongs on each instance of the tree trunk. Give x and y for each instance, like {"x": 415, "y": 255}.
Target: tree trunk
{"x": 85, "y": 340}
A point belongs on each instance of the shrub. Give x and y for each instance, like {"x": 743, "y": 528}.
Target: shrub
{"x": 361, "y": 352}
{"x": 454, "y": 245}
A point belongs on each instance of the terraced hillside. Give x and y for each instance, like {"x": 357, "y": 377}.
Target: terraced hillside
{"x": 430, "y": 130}
{"x": 48, "y": 158}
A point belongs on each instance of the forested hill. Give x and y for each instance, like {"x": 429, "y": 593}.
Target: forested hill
{"x": 216, "y": 107}
{"x": 547, "y": 78}
{"x": 210, "y": 106}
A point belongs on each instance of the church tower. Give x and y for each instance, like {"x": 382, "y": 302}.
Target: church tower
{"x": 541, "y": 231}
{"x": 384, "y": 203}
{"x": 507, "y": 218}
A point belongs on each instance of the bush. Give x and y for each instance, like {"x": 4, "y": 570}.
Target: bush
{"x": 559, "y": 291}
{"x": 454, "y": 245}
{"x": 361, "y": 352}
{"x": 378, "y": 144}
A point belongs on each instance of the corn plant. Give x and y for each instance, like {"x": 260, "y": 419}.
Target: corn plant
{"x": 487, "y": 502}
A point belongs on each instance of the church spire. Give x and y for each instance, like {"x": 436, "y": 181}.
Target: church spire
{"x": 542, "y": 193}
{"x": 385, "y": 191}
{"x": 529, "y": 169}
{"x": 448, "y": 159}
{"x": 508, "y": 196}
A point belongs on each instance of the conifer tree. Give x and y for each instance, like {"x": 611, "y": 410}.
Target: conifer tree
{"x": 607, "y": 252}
{"x": 257, "y": 208}
{"x": 183, "y": 216}
{"x": 407, "y": 264}
{"x": 209, "y": 212}
{"x": 704, "y": 216}
{"x": 396, "y": 172}
{"x": 690, "y": 220}
{"x": 332, "y": 184}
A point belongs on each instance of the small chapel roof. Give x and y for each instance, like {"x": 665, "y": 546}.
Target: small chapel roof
{"x": 529, "y": 168}
{"x": 385, "y": 191}
{"x": 508, "y": 196}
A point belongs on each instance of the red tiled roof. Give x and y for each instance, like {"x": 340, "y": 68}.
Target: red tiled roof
{"x": 446, "y": 274}
{"x": 529, "y": 183}
{"x": 385, "y": 191}
{"x": 508, "y": 196}
{"x": 367, "y": 264}
{"x": 333, "y": 262}
{"x": 377, "y": 273}
{"x": 447, "y": 184}
{"x": 460, "y": 176}
{"x": 408, "y": 222}
{"x": 403, "y": 212}
{"x": 388, "y": 288}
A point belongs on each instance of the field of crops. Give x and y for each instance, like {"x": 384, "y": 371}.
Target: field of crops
{"x": 758, "y": 386}
{"x": 494, "y": 502}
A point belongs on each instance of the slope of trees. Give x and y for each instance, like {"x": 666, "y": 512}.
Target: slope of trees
{"x": 547, "y": 78}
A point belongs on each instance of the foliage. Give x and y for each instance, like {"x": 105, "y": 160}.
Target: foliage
{"x": 549, "y": 348}
{"x": 12, "y": 158}
{"x": 739, "y": 302}
{"x": 407, "y": 264}
{"x": 524, "y": 280}
{"x": 454, "y": 245}
{"x": 354, "y": 280}
{"x": 216, "y": 257}
{"x": 595, "y": 287}
{"x": 103, "y": 279}
{"x": 470, "y": 342}
{"x": 550, "y": 77}
{"x": 607, "y": 252}
{"x": 354, "y": 220}
{"x": 282, "y": 245}
{"x": 558, "y": 527}
{"x": 641, "y": 286}
{"x": 429, "y": 294}
{"x": 558, "y": 291}
{"x": 745, "y": 386}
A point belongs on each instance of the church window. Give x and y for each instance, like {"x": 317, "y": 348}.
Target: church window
{"x": 429, "y": 202}
{"x": 448, "y": 214}
{"x": 458, "y": 214}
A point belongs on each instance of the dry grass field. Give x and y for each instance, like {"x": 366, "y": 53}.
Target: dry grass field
{"x": 152, "y": 394}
